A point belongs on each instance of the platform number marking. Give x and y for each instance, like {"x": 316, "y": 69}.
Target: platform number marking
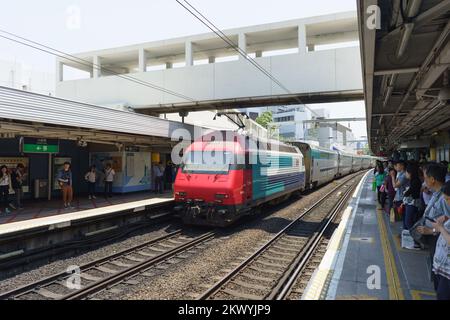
{"x": 374, "y": 17}
{"x": 374, "y": 279}
{"x": 74, "y": 280}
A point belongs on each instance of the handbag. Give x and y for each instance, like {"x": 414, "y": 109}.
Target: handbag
{"x": 382, "y": 188}
{"x": 374, "y": 185}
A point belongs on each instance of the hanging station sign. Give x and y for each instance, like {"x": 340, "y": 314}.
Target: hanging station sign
{"x": 39, "y": 145}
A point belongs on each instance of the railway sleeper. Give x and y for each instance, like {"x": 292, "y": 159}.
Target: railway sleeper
{"x": 256, "y": 278}
{"x": 249, "y": 286}
{"x": 242, "y": 295}
{"x": 270, "y": 265}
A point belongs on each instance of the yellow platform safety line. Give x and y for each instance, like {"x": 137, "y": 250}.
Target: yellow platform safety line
{"x": 393, "y": 280}
{"x": 357, "y": 297}
{"x": 417, "y": 294}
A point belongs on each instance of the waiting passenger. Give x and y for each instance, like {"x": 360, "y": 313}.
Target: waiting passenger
{"x": 423, "y": 159}
{"x": 391, "y": 165}
{"x": 379, "y": 180}
{"x": 400, "y": 184}
{"x": 158, "y": 172}
{"x": 66, "y": 183}
{"x": 17, "y": 179}
{"x": 389, "y": 183}
{"x": 168, "y": 176}
{"x": 109, "y": 180}
{"x": 412, "y": 200}
{"x": 441, "y": 260}
{"x": 386, "y": 167}
{"x": 5, "y": 187}
{"x": 91, "y": 179}
{"x": 437, "y": 207}
{"x": 447, "y": 194}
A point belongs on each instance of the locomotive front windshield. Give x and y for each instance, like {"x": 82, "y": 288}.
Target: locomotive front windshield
{"x": 209, "y": 162}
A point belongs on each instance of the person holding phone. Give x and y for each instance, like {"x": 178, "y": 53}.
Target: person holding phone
{"x": 434, "y": 175}
{"x": 66, "y": 182}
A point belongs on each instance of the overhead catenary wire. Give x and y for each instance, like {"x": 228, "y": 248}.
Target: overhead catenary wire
{"x": 205, "y": 21}
{"x": 47, "y": 49}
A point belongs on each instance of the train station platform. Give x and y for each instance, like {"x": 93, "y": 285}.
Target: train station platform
{"x": 365, "y": 260}
{"x": 43, "y": 213}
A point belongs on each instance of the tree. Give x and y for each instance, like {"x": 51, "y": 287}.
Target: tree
{"x": 264, "y": 119}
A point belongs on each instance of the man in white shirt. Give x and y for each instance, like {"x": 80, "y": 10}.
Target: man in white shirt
{"x": 109, "y": 180}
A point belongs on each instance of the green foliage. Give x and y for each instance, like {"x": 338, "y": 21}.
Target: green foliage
{"x": 264, "y": 119}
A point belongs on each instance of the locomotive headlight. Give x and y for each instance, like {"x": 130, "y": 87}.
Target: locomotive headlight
{"x": 221, "y": 196}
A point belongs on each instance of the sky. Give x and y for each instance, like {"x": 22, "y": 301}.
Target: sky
{"x": 80, "y": 25}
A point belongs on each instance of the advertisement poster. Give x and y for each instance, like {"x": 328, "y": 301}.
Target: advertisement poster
{"x": 12, "y": 162}
{"x": 101, "y": 159}
{"x": 58, "y": 164}
{"x": 132, "y": 169}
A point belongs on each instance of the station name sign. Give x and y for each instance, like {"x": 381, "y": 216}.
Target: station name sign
{"x": 39, "y": 145}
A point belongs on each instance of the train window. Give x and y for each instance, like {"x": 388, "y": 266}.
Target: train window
{"x": 208, "y": 162}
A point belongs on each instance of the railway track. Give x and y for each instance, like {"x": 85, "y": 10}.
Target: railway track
{"x": 273, "y": 271}
{"x": 109, "y": 271}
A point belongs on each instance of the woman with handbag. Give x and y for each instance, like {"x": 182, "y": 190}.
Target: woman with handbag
{"x": 5, "y": 188}
{"x": 389, "y": 188}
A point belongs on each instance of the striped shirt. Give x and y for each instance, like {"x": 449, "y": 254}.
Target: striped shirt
{"x": 441, "y": 260}
{"x": 437, "y": 207}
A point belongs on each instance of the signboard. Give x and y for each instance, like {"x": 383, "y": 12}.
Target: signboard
{"x": 12, "y": 162}
{"x": 132, "y": 149}
{"x": 39, "y": 145}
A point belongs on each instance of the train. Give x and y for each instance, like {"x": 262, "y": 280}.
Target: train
{"x": 241, "y": 174}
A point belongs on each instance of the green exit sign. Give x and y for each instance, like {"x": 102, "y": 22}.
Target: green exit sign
{"x": 40, "y": 148}
{"x": 39, "y": 145}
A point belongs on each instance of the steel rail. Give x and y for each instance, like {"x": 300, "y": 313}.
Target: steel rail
{"x": 285, "y": 284}
{"x": 218, "y": 285}
{"x": 29, "y": 288}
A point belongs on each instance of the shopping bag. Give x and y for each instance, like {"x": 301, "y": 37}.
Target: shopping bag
{"x": 407, "y": 240}
{"x": 374, "y": 185}
{"x": 392, "y": 215}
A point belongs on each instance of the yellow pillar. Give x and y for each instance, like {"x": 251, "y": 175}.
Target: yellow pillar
{"x": 433, "y": 154}
{"x": 156, "y": 157}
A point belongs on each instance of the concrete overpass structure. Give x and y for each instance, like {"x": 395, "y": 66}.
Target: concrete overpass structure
{"x": 317, "y": 59}
{"x": 406, "y": 74}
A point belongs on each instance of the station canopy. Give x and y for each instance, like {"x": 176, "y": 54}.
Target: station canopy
{"x": 405, "y": 70}
{"x": 33, "y": 115}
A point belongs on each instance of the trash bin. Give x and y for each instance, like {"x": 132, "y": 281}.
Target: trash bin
{"x": 40, "y": 188}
